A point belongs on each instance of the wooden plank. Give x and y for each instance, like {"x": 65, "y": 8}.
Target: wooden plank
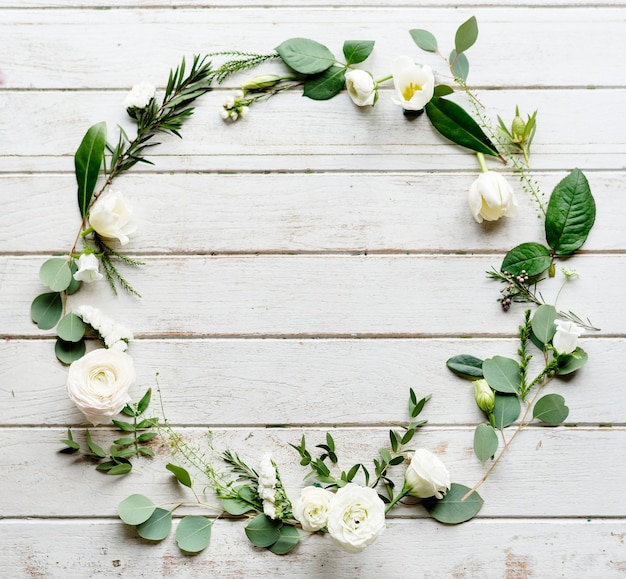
{"x": 520, "y": 548}
{"x": 308, "y": 381}
{"x": 299, "y": 213}
{"x": 40, "y": 39}
{"x": 317, "y": 296}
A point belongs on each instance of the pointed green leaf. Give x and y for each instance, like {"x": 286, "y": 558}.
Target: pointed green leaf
{"x": 551, "y": 409}
{"x": 181, "y": 474}
{"x": 452, "y": 509}
{"x": 424, "y": 39}
{"x": 531, "y": 257}
{"x": 502, "y": 374}
{"x": 466, "y": 35}
{"x": 506, "y": 411}
{"x": 71, "y": 328}
{"x": 87, "y": 162}
{"x": 96, "y": 450}
{"x": 56, "y": 274}
{"x": 143, "y": 404}
{"x": 46, "y": 310}
{"x": 135, "y": 509}
{"x": 455, "y": 124}
{"x": 569, "y": 363}
{"x": 193, "y": 534}
{"x": 263, "y": 531}
{"x": 305, "y": 56}
{"x": 120, "y": 469}
{"x": 356, "y": 51}
{"x": 459, "y": 65}
{"x": 485, "y": 442}
{"x": 288, "y": 539}
{"x": 543, "y": 324}
{"x": 157, "y": 527}
{"x": 466, "y": 366}
{"x": 571, "y": 214}
{"x": 326, "y": 85}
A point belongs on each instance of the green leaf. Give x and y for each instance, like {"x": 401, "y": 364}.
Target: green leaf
{"x": 71, "y": 328}
{"x": 56, "y": 274}
{"x": 68, "y": 352}
{"x": 74, "y": 284}
{"x": 146, "y": 436}
{"x": 46, "y": 310}
{"x": 466, "y": 35}
{"x": 543, "y": 324}
{"x": 466, "y": 366}
{"x": 181, "y": 474}
{"x": 236, "y": 506}
{"x": 157, "y": 527}
{"x": 124, "y": 426}
{"x": 120, "y": 469}
{"x": 531, "y": 257}
{"x": 451, "y": 509}
{"x": 143, "y": 404}
{"x": 455, "y": 124}
{"x": 305, "y": 56}
{"x": 502, "y": 374}
{"x": 96, "y": 450}
{"x": 424, "y": 39}
{"x": 263, "y": 531}
{"x": 357, "y": 51}
{"x": 193, "y": 534}
{"x": 506, "y": 411}
{"x": 551, "y": 409}
{"x": 571, "y": 214}
{"x": 326, "y": 85}
{"x": 459, "y": 65}
{"x": 485, "y": 442}
{"x": 569, "y": 363}
{"x": 124, "y": 441}
{"x": 136, "y": 509}
{"x": 288, "y": 539}
{"x": 442, "y": 90}
{"x": 87, "y": 162}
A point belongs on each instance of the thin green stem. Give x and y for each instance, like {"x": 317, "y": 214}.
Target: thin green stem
{"x": 397, "y": 499}
{"x": 482, "y": 162}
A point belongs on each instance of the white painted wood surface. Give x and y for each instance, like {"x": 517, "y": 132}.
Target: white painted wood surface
{"x": 304, "y": 268}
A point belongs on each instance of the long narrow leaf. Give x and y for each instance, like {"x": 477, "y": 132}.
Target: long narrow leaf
{"x": 87, "y": 162}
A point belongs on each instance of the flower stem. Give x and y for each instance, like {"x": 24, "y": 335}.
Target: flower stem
{"x": 481, "y": 162}
{"x": 398, "y": 498}
{"x": 383, "y": 79}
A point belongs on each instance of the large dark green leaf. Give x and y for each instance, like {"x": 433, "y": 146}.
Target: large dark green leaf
{"x": 326, "y": 85}
{"x": 87, "y": 162}
{"x": 68, "y": 352}
{"x": 305, "y": 56}
{"x": 531, "y": 257}
{"x": 571, "y": 214}
{"x": 455, "y": 124}
{"x": 569, "y": 363}
{"x": 466, "y": 365}
{"x": 288, "y": 539}
{"x": 452, "y": 509}
{"x": 466, "y": 35}
{"x": 357, "y": 51}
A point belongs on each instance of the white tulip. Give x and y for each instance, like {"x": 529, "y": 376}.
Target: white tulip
{"x": 491, "y": 197}
{"x": 565, "y": 340}
{"x": 111, "y": 217}
{"x": 426, "y": 476}
{"x": 88, "y": 265}
{"x": 361, "y": 87}
{"x": 414, "y": 84}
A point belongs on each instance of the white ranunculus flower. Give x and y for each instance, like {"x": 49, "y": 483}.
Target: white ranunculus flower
{"x": 361, "y": 87}
{"x": 414, "y": 84}
{"x": 311, "y": 509}
{"x": 356, "y": 517}
{"x": 140, "y": 96}
{"x": 98, "y": 384}
{"x": 88, "y": 265}
{"x": 111, "y": 216}
{"x": 565, "y": 340}
{"x": 491, "y": 197}
{"x": 426, "y": 476}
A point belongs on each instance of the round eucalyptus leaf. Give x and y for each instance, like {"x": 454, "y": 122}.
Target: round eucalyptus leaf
{"x": 466, "y": 366}
{"x": 193, "y": 534}
{"x": 136, "y": 509}
{"x": 543, "y": 324}
{"x": 263, "y": 531}
{"x": 452, "y": 509}
{"x": 71, "y": 328}
{"x": 551, "y": 409}
{"x": 68, "y": 352}
{"x": 506, "y": 410}
{"x": 502, "y": 374}
{"x": 157, "y": 527}
{"x": 56, "y": 274}
{"x": 569, "y": 363}
{"x": 532, "y": 258}
{"x": 289, "y": 538}
{"x": 485, "y": 442}
{"x": 46, "y": 310}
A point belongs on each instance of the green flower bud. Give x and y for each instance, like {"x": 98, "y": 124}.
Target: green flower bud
{"x": 261, "y": 82}
{"x": 483, "y": 394}
{"x": 517, "y": 129}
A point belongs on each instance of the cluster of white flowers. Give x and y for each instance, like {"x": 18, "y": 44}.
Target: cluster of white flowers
{"x": 235, "y": 107}
{"x": 267, "y": 486}
{"x": 140, "y": 96}
{"x": 114, "y": 335}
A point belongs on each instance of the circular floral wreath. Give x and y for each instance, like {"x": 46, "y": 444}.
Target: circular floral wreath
{"x": 352, "y": 513}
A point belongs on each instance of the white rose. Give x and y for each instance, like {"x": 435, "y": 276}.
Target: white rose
{"x": 565, "y": 340}
{"x": 98, "y": 384}
{"x": 426, "y": 476}
{"x": 140, "y": 96}
{"x": 361, "y": 87}
{"x": 356, "y": 517}
{"x": 88, "y": 265}
{"x": 491, "y": 197}
{"x": 414, "y": 84}
{"x": 111, "y": 216}
{"x": 311, "y": 509}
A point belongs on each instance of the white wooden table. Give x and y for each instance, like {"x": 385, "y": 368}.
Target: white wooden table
{"x": 305, "y": 267}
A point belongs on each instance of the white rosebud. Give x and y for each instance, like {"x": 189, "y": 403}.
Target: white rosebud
{"x": 311, "y": 509}
{"x": 426, "y": 476}
{"x": 224, "y": 114}
{"x": 361, "y": 87}
{"x": 356, "y": 516}
{"x": 565, "y": 340}
{"x": 88, "y": 265}
{"x": 98, "y": 384}
{"x": 414, "y": 84}
{"x": 491, "y": 197}
{"x": 233, "y": 115}
{"x": 140, "y": 96}
{"x": 111, "y": 216}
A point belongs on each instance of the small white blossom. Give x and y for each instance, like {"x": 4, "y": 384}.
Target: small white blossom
{"x": 565, "y": 340}
{"x": 361, "y": 87}
{"x": 88, "y": 265}
{"x": 115, "y": 336}
{"x": 140, "y": 96}
{"x": 267, "y": 485}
